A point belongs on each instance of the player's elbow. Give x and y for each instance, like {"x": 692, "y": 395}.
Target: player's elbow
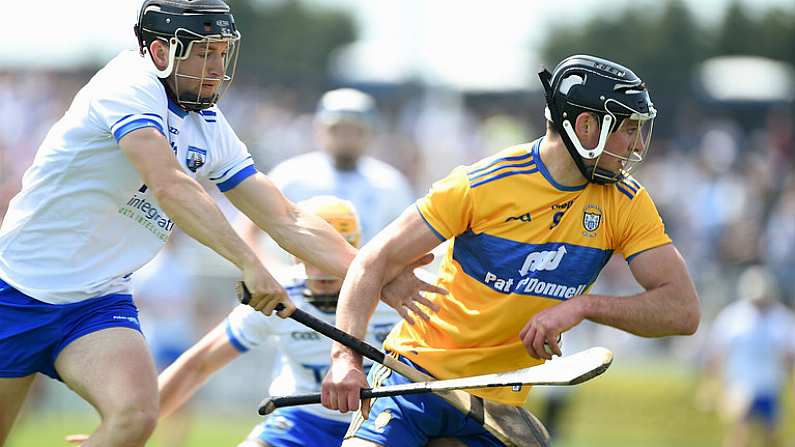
{"x": 170, "y": 187}
{"x": 691, "y": 317}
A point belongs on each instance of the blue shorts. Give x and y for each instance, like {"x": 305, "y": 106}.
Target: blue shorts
{"x": 33, "y": 333}
{"x": 292, "y": 427}
{"x": 411, "y": 420}
{"x": 764, "y": 408}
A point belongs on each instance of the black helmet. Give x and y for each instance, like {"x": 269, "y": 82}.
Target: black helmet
{"x": 184, "y": 23}
{"x": 588, "y": 84}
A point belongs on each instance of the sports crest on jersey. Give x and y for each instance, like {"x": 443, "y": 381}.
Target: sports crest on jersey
{"x": 195, "y": 158}
{"x": 591, "y": 218}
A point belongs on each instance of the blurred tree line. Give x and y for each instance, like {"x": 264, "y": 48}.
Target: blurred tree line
{"x": 664, "y": 45}
{"x": 288, "y": 43}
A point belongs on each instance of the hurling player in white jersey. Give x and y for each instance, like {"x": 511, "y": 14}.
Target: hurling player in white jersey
{"x": 303, "y": 353}
{"x": 108, "y": 184}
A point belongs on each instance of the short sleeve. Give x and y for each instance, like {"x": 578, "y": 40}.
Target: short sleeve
{"x": 235, "y": 163}
{"x": 448, "y": 207}
{"x": 246, "y": 328}
{"x": 644, "y": 227}
{"x": 122, "y": 108}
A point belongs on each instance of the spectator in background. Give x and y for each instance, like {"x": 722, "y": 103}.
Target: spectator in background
{"x": 749, "y": 357}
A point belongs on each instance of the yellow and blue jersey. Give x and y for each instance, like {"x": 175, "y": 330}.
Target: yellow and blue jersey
{"x": 521, "y": 243}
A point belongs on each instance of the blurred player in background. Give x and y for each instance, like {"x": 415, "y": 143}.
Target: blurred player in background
{"x": 532, "y": 227}
{"x": 345, "y": 127}
{"x": 108, "y": 184}
{"x": 166, "y": 292}
{"x": 750, "y": 355}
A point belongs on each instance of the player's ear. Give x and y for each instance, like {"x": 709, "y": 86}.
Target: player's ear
{"x": 586, "y": 127}
{"x": 159, "y": 53}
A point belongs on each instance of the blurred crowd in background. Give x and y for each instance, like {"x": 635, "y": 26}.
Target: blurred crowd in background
{"x": 720, "y": 168}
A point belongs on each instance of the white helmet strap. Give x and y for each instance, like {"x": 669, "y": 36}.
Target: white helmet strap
{"x": 607, "y": 122}
{"x": 172, "y": 53}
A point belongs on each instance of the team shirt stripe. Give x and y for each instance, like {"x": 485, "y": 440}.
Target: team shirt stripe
{"x": 501, "y": 160}
{"x": 236, "y": 179}
{"x": 498, "y": 168}
{"x": 503, "y": 175}
{"x": 633, "y": 181}
{"x": 538, "y": 272}
{"x": 625, "y": 191}
{"x": 631, "y": 187}
{"x": 140, "y": 123}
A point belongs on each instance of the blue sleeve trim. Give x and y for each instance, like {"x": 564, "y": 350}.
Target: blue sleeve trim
{"x": 235, "y": 180}
{"x": 227, "y": 171}
{"x": 439, "y": 235}
{"x": 135, "y": 125}
{"x": 121, "y": 119}
{"x": 234, "y": 341}
{"x": 630, "y": 258}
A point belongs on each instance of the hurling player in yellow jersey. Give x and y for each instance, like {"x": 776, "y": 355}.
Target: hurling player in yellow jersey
{"x": 531, "y": 229}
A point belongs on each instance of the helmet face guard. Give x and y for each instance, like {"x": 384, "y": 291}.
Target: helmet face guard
{"x": 326, "y": 303}
{"x": 193, "y": 100}
{"x": 189, "y": 26}
{"x": 619, "y": 100}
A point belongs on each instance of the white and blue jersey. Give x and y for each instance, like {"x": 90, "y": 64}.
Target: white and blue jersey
{"x": 84, "y": 220}
{"x": 303, "y": 354}
{"x": 755, "y": 347}
{"x": 377, "y": 190}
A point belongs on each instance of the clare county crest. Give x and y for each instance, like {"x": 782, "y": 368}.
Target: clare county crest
{"x": 195, "y": 158}
{"x": 591, "y": 218}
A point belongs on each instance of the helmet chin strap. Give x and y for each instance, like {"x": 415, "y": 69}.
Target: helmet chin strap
{"x": 607, "y": 122}
{"x": 172, "y": 52}
{"x": 593, "y": 174}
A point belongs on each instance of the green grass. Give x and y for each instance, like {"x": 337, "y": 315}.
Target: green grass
{"x": 49, "y": 430}
{"x": 652, "y": 406}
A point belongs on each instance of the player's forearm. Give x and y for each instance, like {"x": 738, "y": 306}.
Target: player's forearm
{"x": 359, "y": 297}
{"x": 180, "y": 381}
{"x": 311, "y": 239}
{"x": 302, "y": 234}
{"x": 660, "y": 312}
{"x": 195, "y": 212}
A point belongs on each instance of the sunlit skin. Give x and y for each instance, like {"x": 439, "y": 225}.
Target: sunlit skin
{"x": 211, "y": 72}
{"x": 321, "y": 283}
